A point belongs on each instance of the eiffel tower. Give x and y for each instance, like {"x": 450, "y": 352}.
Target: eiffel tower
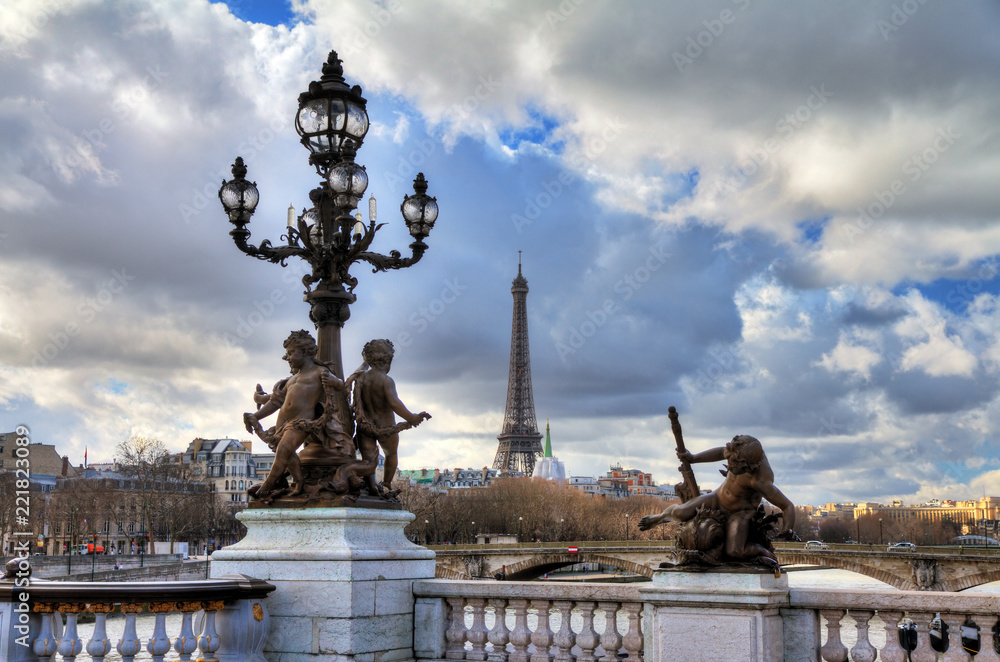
{"x": 520, "y": 441}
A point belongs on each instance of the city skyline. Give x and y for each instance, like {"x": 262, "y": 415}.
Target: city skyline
{"x": 780, "y": 220}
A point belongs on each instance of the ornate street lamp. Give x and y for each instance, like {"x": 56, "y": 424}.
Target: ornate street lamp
{"x": 332, "y": 121}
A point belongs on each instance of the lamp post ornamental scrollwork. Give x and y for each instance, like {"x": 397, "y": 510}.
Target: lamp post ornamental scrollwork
{"x": 333, "y": 121}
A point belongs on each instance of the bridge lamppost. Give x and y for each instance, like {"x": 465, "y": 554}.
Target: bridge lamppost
{"x": 880, "y": 540}
{"x": 333, "y": 122}
{"x": 517, "y": 530}
{"x": 626, "y": 530}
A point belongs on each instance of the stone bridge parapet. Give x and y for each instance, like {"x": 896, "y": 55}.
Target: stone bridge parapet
{"x": 927, "y": 569}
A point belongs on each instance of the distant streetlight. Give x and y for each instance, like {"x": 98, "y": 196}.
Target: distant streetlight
{"x": 427, "y": 533}
{"x": 880, "y": 539}
{"x": 626, "y": 529}
{"x": 93, "y": 559}
{"x": 208, "y": 556}
{"x": 72, "y": 518}
{"x": 858, "y": 522}
{"x": 473, "y": 536}
{"x": 517, "y": 530}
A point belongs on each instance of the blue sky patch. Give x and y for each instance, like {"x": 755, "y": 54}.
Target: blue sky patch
{"x": 679, "y": 185}
{"x": 812, "y": 229}
{"x": 956, "y": 294}
{"x": 114, "y": 386}
{"x": 270, "y": 12}
{"x": 538, "y": 131}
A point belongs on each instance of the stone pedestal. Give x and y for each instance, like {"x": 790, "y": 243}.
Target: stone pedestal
{"x": 719, "y": 615}
{"x": 344, "y": 581}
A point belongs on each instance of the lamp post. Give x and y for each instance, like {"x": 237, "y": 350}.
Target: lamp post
{"x": 332, "y": 121}
{"x": 473, "y": 537}
{"x": 517, "y": 530}
{"x": 143, "y": 537}
{"x": 208, "y": 556}
{"x": 626, "y": 530}
{"x": 93, "y": 559}
{"x": 72, "y": 519}
{"x": 427, "y": 531}
{"x": 857, "y": 520}
{"x": 880, "y": 540}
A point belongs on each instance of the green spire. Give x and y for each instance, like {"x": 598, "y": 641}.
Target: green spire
{"x": 548, "y": 441}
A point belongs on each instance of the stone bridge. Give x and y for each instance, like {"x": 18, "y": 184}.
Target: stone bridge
{"x": 944, "y": 569}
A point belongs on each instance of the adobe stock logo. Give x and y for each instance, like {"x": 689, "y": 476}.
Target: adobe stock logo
{"x": 86, "y": 313}
{"x": 626, "y": 287}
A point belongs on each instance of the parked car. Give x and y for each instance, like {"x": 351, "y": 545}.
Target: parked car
{"x": 816, "y": 544}
{"x": 902, "y": 547}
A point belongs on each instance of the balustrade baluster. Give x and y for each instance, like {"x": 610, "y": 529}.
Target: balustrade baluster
{"x": 954, "y": 652}
{"x": 208, "y": 640}
{"x": 186, "y": 642}
{"x": 455, "y": 635}
{"x": 587, "y": 638}
{"x": 477, "y": 634}
{"x": 69, "y": 642}
{"x": 564, "y": 638}
{"x": 923, "y": 652}
{"x": 520, "y": 636}
{"x": 158, "y": 644}
{"x": 892, "y": 651}
{"x": 632, "y": 641}
{"x": 833, "y": 650}
{"x": 542, "y": 636}
{"x": 99, "y": 644}
{"x": 611, "y": 641}
{"x": 499, "y": 635}
{"x": 129, "y": 645}
{"x": 45, "y": 644}
{"x": 863, "y": 651}
{"x": 986, "y": 651}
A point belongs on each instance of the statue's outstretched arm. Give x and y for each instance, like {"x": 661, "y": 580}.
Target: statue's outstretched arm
{"x": 711, "y": 455}
{"x": 399, "y": 408}
{"x": 775, "y": 496}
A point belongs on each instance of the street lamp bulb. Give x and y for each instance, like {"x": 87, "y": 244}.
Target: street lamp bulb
{"x": 420, "y": 210}
{"x": 238, "y": 196}
{"x": 348, "y": 180}
{"x": 330, "y": 114}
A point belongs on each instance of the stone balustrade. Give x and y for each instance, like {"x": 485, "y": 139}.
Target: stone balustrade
{"x": 847, "y": 617}
{"x": 541, "y": 621}
{"x": 673, "y": 617}
{"x": 223, "y": 620}
{"x": 550, "y": 621}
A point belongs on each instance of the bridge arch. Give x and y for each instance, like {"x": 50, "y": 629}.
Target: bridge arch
{"x": 962, "y": 583}
{"x": 840, "y": 563}
{"x": 537, "y": 566}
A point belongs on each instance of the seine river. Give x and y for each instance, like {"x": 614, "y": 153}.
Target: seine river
{"x": 796, "y": 579}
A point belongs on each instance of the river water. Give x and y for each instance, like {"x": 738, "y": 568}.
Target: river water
{"x": 796, "y": 579}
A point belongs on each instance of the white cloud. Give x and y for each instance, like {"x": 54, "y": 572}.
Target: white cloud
{"x": 846, "y": 357}
{"x": 797, "y": 336}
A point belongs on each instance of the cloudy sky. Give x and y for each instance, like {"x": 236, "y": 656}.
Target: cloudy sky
{"x": 782, "y": 219}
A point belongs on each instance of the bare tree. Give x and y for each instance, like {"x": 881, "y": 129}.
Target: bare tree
{"x": 532, "y": 509}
